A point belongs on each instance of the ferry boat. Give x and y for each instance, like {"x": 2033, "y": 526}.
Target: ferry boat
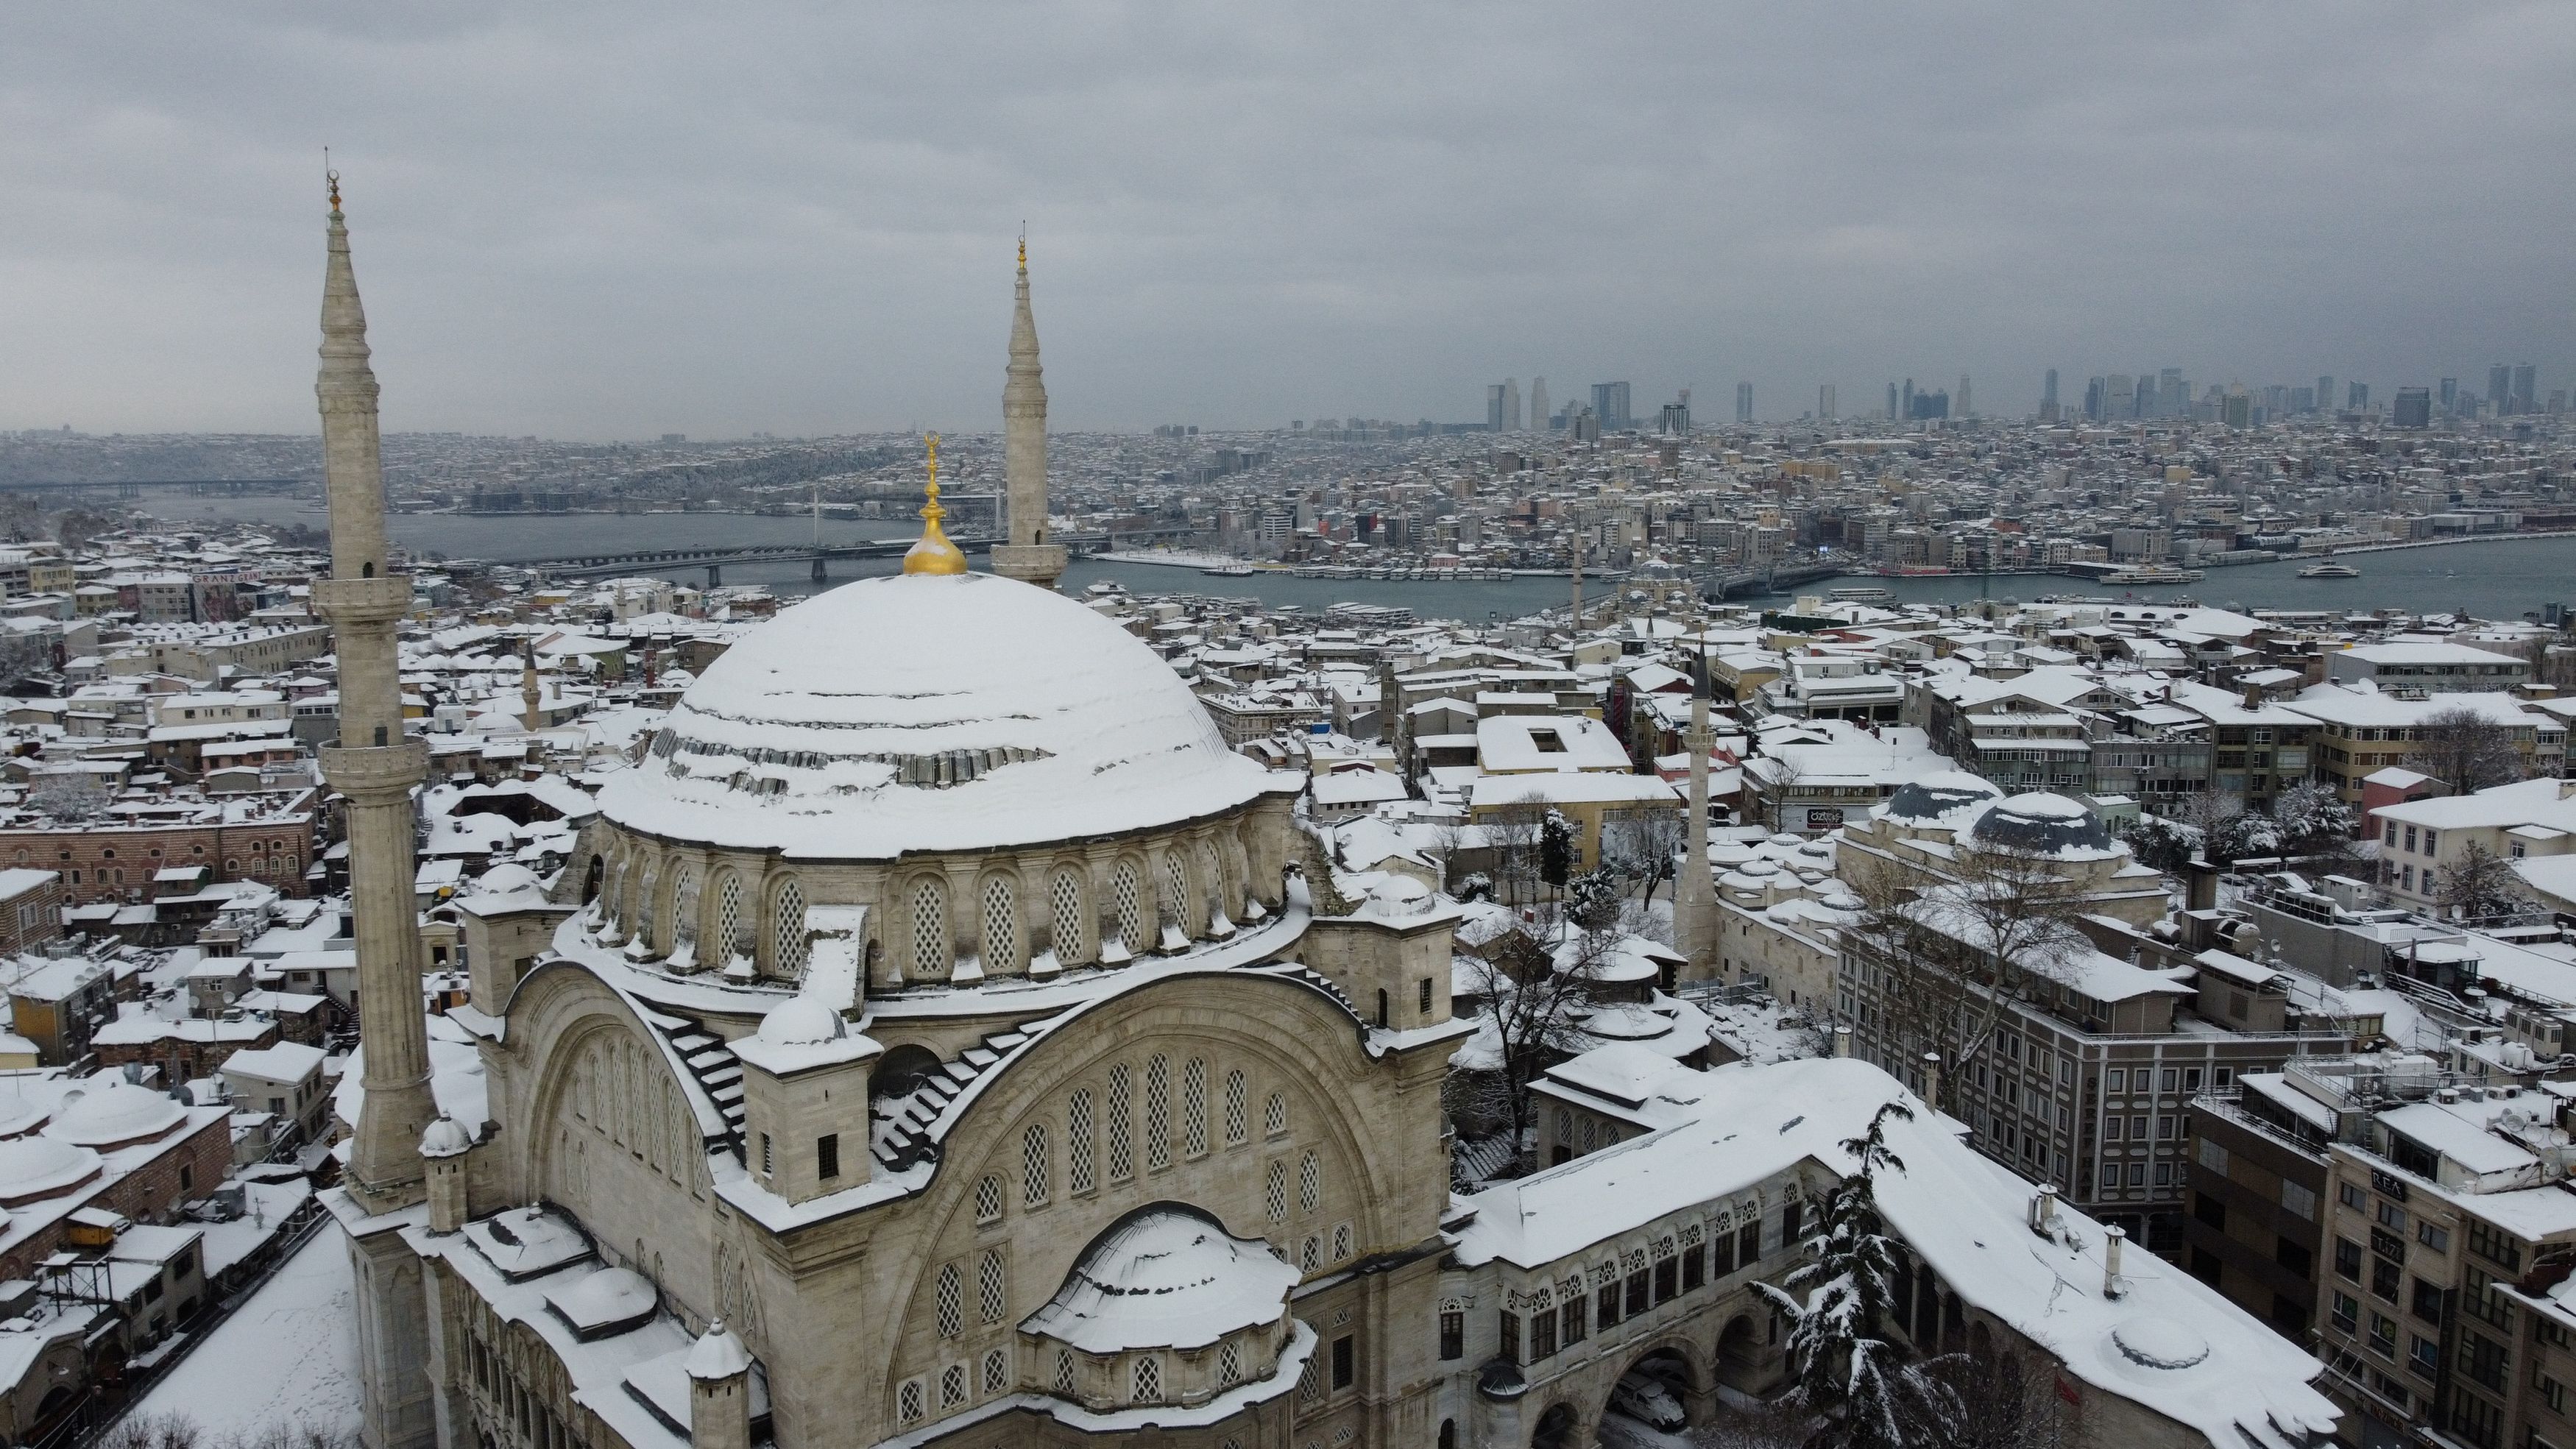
{"x": 2329, "y": 571}
{"x": 1863, "y": 595}
{"x": 1230, "y": 571}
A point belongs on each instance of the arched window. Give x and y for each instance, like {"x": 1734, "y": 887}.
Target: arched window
{"x": 1274, "y": 1192}
{"x": 1077, "y": 1141}
{"x": 1033, "y": 1166}
{"x": 997, "y": 1371}
{"x": 948, "y": 1294}
{"x": 1127, "y": 898}
{"x": 990, "y": 1300}
{"x": 1001, "y": 925}
{"x": 1274, "y": 1117}
{"x": 1229, "y": 1365}
{"x": 1149, "y": 1379}
{"x": 1072, "y": 944}
{"x": 1176, "y": 893}
{"x": 787, "y": 947}
{"x": 1158, "y": 1112}
{"x": 1238, "y": 1126}
{"x": 928, "y": 904}
{"x": 730, "y": 939}
{"x": 684, "y": 908}
{"x": 592, "y": 877}
{"x": 1310, "y": 1182}
{"x": 1122, "y": 1162}
{"x": 988, "y": 1199}
{"x": 1194, "y": 1126}
{"x": 952, "y": 1386}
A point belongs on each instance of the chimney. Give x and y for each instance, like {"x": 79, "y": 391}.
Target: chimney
{"x": 1842, "y": 1041}
{"x": 2043, "y": 1208}
{"x": 1932, "y": 1080}
{"x": 2112, "y": 1237}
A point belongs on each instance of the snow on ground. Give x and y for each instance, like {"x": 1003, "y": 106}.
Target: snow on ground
{"x": 289, "y": 1354}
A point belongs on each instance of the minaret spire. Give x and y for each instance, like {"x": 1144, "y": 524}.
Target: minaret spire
{"x": 1027, "y": 555}
{"x": 373, "y": 765}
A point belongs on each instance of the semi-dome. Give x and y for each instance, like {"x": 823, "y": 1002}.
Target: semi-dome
{"x": 802, "y": 1020}
{"x": 1934, "y": 796}
{"x": 114, "y": 1114}
{"x": 1167, "y": 1276}
{"x": 2043, "y": 824}
{"x": 928, "y": 713}
{"x": 37, "y": 1167}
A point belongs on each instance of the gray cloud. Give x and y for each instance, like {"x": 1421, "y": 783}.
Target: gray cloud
{"x": 615, "y": 219}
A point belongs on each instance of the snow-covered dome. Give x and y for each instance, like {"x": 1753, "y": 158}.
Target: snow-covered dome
{"x": 604, "y": 1302}
{"x": 802, "y": 1020}
{"x": 34, "y": 1167}
{"x": 1928, "y": 799}
{"x": 926, "y": 713}
{"x": 2152, "y": 1340}
{"x": 1399, "y": 896}
{"x": 445, "y": 1137}
{"x": 717, "y": 1354}
{"x": 506, "y": 877}
{"x": 1166, "y": 1276}
{"x": 2043, "y": 824}
{"x": 116, "y": 1113}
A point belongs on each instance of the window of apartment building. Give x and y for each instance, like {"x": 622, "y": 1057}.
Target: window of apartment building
{"x": 2351, "y": 1196}
{"x": 2552, "y": 1392}
{"x": 2497, "y": 1247}
{"x": 2384, "y": 1279}
{"x": 2292, "y": 1254}
{"x": 2392, "y": 1217}
{"x": 2428, "y": 1301}
{"x": 2298, "y": 1200}
{"x": 2478, "y": 1421}
{"x": 2485, "y": 1361}
{"x": 2383, "y": 1335}
{"x": 2345, "y": 1312}
{"x": 2424, "y": 1356}
{"x": 2479, "y": 1301}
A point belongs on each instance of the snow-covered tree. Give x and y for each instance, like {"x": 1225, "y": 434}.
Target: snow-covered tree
{"x": 1593, "y": 899}
{"x": 2465, "y": 750}
{"x": 2481, "y": 883}
{"x": 1555, "y": 848}
{"x": 1646, "y": 845}
{"x": 1868, "y": 1393}
{"x": 2163, "y": 843}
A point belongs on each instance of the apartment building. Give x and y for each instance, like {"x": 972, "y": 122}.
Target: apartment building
{"x": 2430, "y": 665}
{"x": 2366, "y": 731}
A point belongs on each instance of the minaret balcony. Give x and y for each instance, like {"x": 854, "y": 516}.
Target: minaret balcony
{"x": 363, "y": 601}
{"x": 375, "y": 770}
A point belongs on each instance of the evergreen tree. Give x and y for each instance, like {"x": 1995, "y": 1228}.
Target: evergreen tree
{"x": 1555, "y": 849}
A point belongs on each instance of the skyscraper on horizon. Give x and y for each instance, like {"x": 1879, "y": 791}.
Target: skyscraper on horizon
{"x": 1538, "y": 404}
{"x": 2526, "y": 388}
{"x": 2450, "y": 395}
{"x": 1610, "y": 405}
{"x": 2048, "y": 398}
{"x": 2500, "y": 389}
{"x": 1892, "y": 413}
{"x": 1744, "y": 402}
{"x": 1825, "y": 401}
{"x": 1962, "y": 407}
{"x": 2325, "y": 392}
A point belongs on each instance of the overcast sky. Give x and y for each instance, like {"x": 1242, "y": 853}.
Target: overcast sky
{"x": 615, "y": 220}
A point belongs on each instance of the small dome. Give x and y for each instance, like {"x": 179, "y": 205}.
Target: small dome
{"x": 717, "y": 1354}
{"x": 1165, "y": 1277}
{"x": 2154, "y": 1341}
{"x": 445, "y": 1137}
{"x": 1934, "y": 796}
{"x": 1399, "y": 896}
{"x": 504, "y": 878}
{"x": 2042, "y": 824}
{"x": 117, "y": 1113}
{"x": 802, "y": 1020}
{"x": 610, "y": 1299}
{"x": 33, "y": 1167}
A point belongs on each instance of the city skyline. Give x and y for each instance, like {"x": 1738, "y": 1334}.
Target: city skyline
{"x": 798, "y": 228}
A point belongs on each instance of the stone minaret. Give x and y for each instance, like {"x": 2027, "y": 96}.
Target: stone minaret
{"x": 1694, "y": 917}
{"x": 372, "y": 766}
{"x": 1028, "y": 555}
{"x": 532, "y": 716}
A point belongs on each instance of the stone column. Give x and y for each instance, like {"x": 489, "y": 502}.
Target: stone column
{"x": 372, "y": 766}
{"x": 1695, "y": 921}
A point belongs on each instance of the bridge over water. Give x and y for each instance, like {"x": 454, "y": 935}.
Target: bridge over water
{"x": 133, "y": 487}
{"x": 714, "y": 558}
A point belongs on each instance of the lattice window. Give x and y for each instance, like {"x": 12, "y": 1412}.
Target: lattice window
{"x": 997, "y": 1372}
{"x": 1310, "y": 1182}
{"x": 1149, "y": 1380}
{"x": 907, "y": 1402}
{"x": 952, "y": 1386}
{"x": 1158, "y": 1112}
{"x": 787, "y": 949}
{"x": 644, "y": 902}
{"x": 1122, "y": 1161}
{"x": 988, "y": 1200}
{"x": 1565, "y": 1126}
{"x": 684, "y": 907}
{"x": 1033, "y": 1166}
{"x": 1663, "y": 1249}
{"x": 1064, "y": 918}
{"x": 1127, "y": 898}
{"x": 1274, "y": 1117}
{"x": 731, "y": 940}
{"x": 1064, "y": 1372}
{"x": 1194, "y": 1126}
{"x": 928, "y": 903}
{"x": 1274, "y": 1192}
{"x": 1077, "y": 1142}
{"x": 1229, "y": 1365}
{"x": 1238, "y": 1124}
{"x": 990, "y": 1300}
{"x": 1310, "y": 1382}
{"x": 1341, "y": 1241}
{"x": 949, "y": 1294}
{"x": 1311, "y": 1256}
{"x": 1001, "y": 925}
{"x": 1176, "y": 891}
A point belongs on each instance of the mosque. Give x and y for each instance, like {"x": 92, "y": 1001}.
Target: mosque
{"x": 935, "y": 1042}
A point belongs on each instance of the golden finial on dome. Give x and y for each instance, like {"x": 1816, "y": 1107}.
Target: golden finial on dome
{"x": 1024, "y": 246}
{"x": 933, "y": 553}
{"x": 333, "y": 177}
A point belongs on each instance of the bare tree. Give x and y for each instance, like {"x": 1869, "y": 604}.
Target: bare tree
{"x": 1647, "y": 845}
{"x": 1537, "y": 984}
{"x": 72, "y": 795}
{"x": 1513, "y": 832}
{"x": 2480, "y": 884}
{"x": 1949, "y": 951}
{"x": 2553, "y": 662}
{"x": 2465, "y": 750}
